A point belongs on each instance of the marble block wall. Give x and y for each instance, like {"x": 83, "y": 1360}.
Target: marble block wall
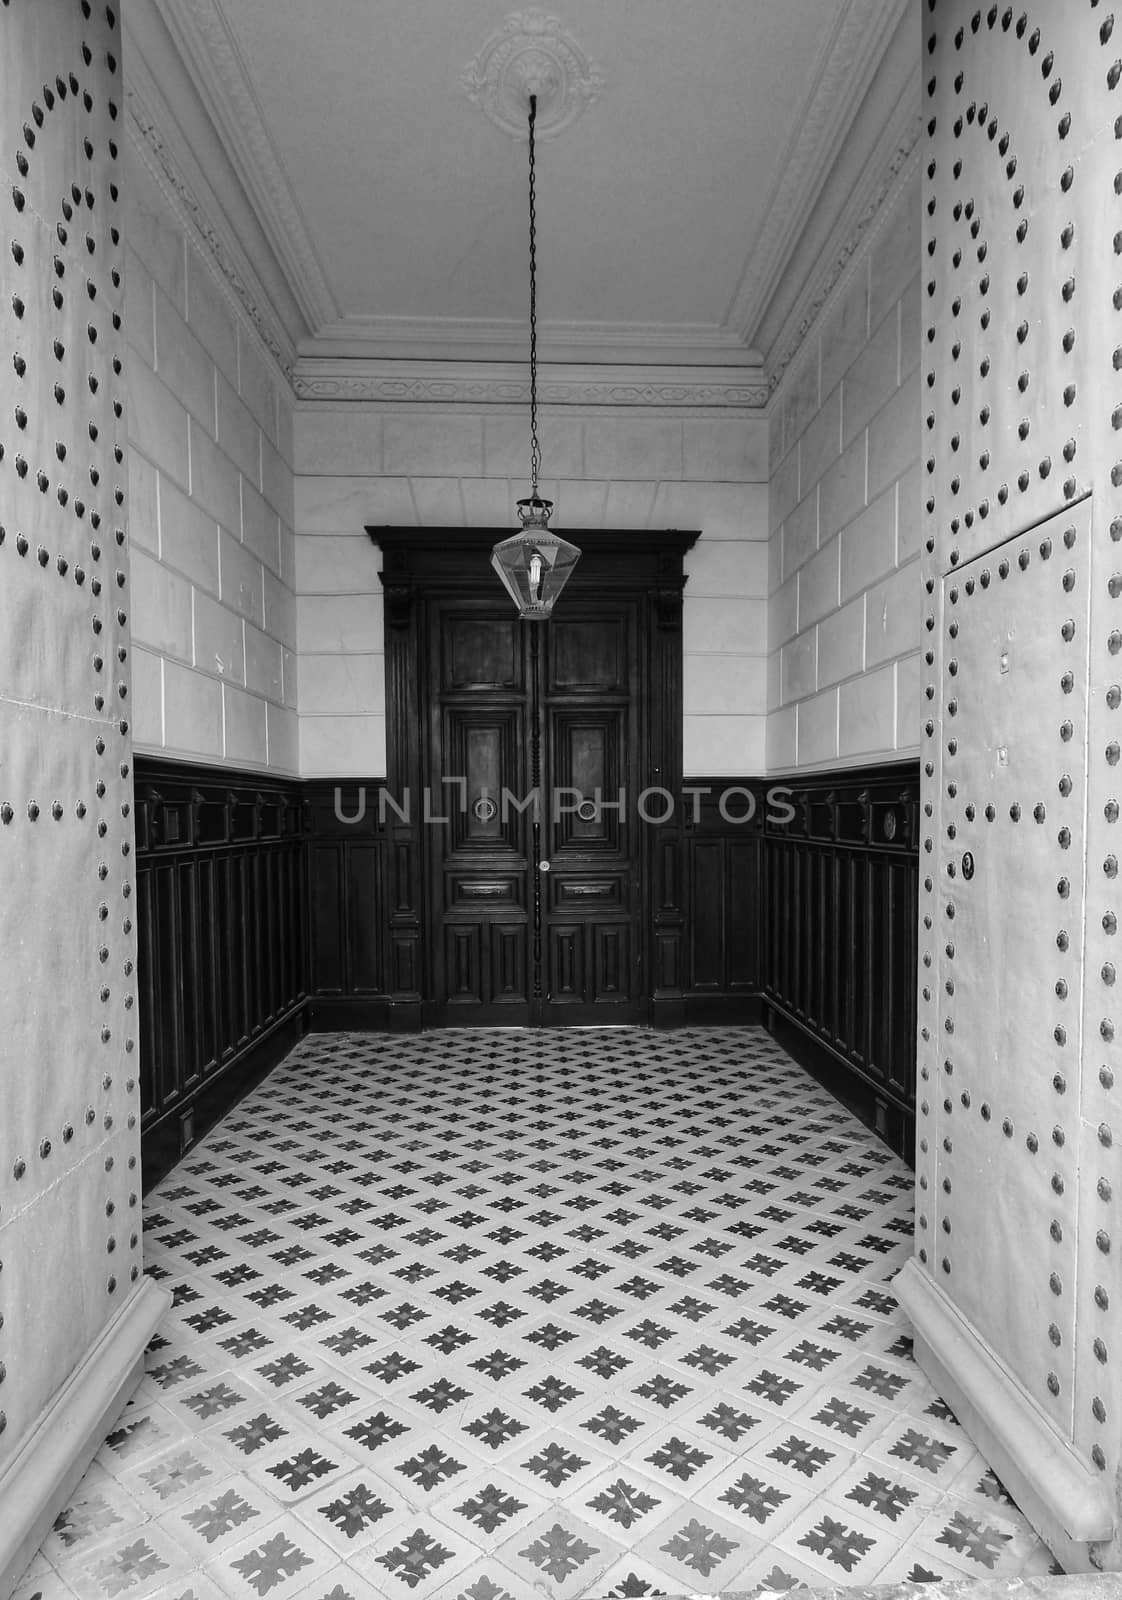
{"x": 359, "y": 464}
{"x": 845, "y": 512}
{"x": 210, "y": 434}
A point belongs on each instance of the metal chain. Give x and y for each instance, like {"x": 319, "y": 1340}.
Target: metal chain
{"x": 535, "y": 447}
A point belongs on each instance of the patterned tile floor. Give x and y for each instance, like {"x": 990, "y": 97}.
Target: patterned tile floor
{"x": 498, "y": 1315}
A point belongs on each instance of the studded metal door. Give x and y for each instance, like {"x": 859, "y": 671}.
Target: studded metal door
{"x": 70, "y": 1277}
{"x": 1012, "y": 817}
{"x": 1015, "y": 1289}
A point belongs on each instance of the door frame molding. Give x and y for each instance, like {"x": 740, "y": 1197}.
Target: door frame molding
{"x": 419, "y": 564}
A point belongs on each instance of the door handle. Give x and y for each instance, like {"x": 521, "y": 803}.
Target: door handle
{"x": 543, "y": 866}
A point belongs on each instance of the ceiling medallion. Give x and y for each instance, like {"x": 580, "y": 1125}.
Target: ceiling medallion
{"x": 531, "y": 55}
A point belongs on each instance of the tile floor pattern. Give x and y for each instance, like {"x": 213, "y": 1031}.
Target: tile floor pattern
{"x": 492, "y": 1315}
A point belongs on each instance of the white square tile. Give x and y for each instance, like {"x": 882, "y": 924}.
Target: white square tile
{"x": 831, "y": 1539}
{"x": 483, "y": 1580}
{"x": 557, "y": 1463}
{"x": 280, "y": 1560}
{"x": 679, "y": 1458}
{"x": 497, "y": 1425}
{"x": 487, "y": 1506}
{"x": 559, "y": 1554}
{"x": 625, "y": 1503}
{"x": 419, "y": 1558}
{"x": 424, "y": 1466}
{"x": 221, "y": 1515}
{"x": 165, "y": 1480}
{"x": 800, "y": 1456}
{"x": 353, "y": 1512}
{"x": 97, "y": 1513}
{"x": 692, "y": 1547}
{"x": 146, "y": 1559}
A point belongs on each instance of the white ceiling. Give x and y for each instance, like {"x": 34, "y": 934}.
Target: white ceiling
{"x": 670, "y": 212}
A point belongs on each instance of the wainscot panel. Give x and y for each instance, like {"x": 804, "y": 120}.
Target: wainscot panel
{"x": 364, "y": 907}
{"x": 723, "y": 834}
{"x": 839, "y": 882}
{"x": 221, "y": 921}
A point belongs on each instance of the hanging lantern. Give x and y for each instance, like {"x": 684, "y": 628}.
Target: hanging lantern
{"x": 535, "y": 564}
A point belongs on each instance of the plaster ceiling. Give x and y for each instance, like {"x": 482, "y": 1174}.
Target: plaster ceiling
{"x": 669, "y": 210}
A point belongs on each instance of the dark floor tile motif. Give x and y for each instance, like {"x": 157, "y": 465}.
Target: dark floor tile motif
{"x": 220, "y": 1516}
{"x": 700, "y": 1548}
{"x": 624, "y": 1503}
{"x": 753, "y": 1498}
{"x": 558, "y": 1552}
{"x": 415, "y": 1558}
{"x": 680, "y": 1459}
{"x": 490, "y": 1508}
{"x": 272, "y": 1561}
{"x": 973, "y": 1538}
{"x": 430, "y": 1467}
{"x": 841, "y": 1545}
{"x": 356, "y": 1510}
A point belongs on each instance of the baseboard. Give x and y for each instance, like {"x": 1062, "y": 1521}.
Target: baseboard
{"x": 1067, "y": 1502}
{"x": 363, "y": 1014}
{"x": 878, "y": 1110}
{"x": 162, "y": 1143}
{"x": 41, "y": 1477}
{"x": 667, "y": 1012}
{"x": 349, "y": 1013}
{"x": 722, "y": 1010}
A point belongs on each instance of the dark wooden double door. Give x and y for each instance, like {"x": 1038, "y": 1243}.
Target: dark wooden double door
{"x": 533, "y": 852}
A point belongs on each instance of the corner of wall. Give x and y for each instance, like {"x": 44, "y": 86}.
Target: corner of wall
{"x": 212, "y": 509}
{"x": 844, "y": 514}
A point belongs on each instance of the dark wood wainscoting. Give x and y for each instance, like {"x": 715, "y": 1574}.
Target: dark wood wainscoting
{"x": 722, "y": 827}
{"x": 839, "y": 903}
{"x": 364, "y": 906}
{"x": 221, "y": 920}
{"x": 265, "y": 907}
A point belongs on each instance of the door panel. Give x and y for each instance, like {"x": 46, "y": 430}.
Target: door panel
{"x": 481, "y": 756}
{"x": 589, "y": 656}
{"x": 610, "y": 961}
{"x": 565, "y": 966}
{"x": 481, "y": 652}
{"x": 576, "y": 892}
{"x": 462, "y": 966}
{"x": 508, "y": 963}
{"x": 588, "y": 765}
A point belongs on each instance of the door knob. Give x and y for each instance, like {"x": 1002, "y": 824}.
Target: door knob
{"x": 543, "y": 866}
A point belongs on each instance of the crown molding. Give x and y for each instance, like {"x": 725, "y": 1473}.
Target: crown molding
{"x": 505, "y": 384}
{"x": 476, "y": 339}
{"x": 860, "y": 39}
{"x": 211, "y": 56}
{"x": 870, "y": 209}
{"x": 147, "y": 137}
{"x": 159, "y": 140}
